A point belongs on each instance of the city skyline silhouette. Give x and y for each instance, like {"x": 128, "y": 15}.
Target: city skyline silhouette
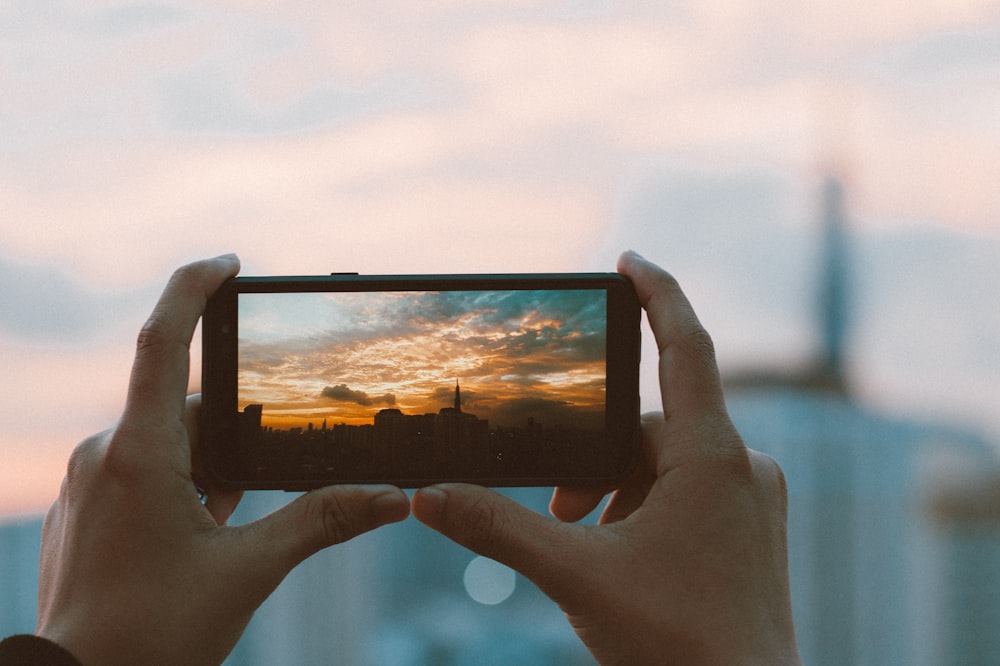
{"x": 343, "y": 357}
{"x": 448, "y": 443}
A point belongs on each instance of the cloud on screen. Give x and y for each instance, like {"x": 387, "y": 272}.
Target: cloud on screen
{"x": 341, "y": 393}
{"x": 408, "y": 350}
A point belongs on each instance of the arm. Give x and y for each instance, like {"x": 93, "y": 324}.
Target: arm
{"x": 134, "y": 568}
{"x": 688, "y": 563}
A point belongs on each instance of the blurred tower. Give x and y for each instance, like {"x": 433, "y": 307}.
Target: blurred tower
{"x": 858, "y": 559}
{"x": 826, "y": 372}
{"x": 834, "y": 302}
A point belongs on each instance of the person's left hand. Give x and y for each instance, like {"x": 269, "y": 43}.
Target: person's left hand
{"x": 134, "y": 568}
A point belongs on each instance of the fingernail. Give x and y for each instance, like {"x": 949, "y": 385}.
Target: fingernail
{"x": 434, "y": 499}
{"x": 390, "y": 506}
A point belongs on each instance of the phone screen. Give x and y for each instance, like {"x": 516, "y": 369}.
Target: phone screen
{"x": 503, "y": 386}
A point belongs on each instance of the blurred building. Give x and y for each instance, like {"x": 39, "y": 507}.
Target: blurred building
{"x": 19, "y": 550}
{"x": 865, "y": 565}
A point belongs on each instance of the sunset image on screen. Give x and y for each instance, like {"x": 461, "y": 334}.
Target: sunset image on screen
{"x": 509, "y": 358}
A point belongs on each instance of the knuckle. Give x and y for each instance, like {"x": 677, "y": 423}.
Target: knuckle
{"x": 736, "y": 463}
{"x": 117, "y": 461}
{"x": 698, "y": 342}
{"x": 153, "y": 334}
{"x": 336, "y": 521}
{"x": 727, "y": 453}
{"x": 758, "y": 473}
{"x": 186, "y": 277}
{"x": 101, "y": 460}
{"x": 84, "y": 457}
{"x": 773, "y": 477}
{"x": 158, "y": 341}
{"x": 667, "y": 281}
{"x": 188, "y": 281}
{"x": 125, "y": 459}
{"x": 481, "y": 524}
{"x": 159, "y": 329}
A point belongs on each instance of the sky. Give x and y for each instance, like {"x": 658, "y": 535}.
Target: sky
{"x": 340, "y": 357}
{"x": 392, "y": 137}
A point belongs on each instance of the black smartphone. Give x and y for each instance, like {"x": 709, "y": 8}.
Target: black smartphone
{"x": 500, "y": 380}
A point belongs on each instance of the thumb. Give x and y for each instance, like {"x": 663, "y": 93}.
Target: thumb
{"x": 318, "y": 519}
{"x": 497, "y": 527}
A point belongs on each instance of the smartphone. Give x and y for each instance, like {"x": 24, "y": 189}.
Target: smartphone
{"x": 500, "y": 380}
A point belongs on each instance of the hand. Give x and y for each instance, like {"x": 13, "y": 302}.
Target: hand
{"x": 134, "y": 568}
{"x": 688, "y": 563}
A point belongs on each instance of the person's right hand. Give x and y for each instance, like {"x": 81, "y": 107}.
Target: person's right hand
{"x": 688, "y": 563}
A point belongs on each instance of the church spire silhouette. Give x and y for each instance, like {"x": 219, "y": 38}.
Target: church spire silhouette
{"x": 834, "y": 295}
{"x": 458, "y": 397}
{"x": 826, "y": 370}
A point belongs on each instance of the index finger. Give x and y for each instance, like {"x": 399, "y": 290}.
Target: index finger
{"x": 690, "y": 385}
{"x": 159, "y": 379}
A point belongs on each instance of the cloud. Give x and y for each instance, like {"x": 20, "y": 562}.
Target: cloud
{"x": 195, "y": 101}
{"x": 132, "y": 19}
{"x": 43, "y": 303}
{"x": 341, "y": 393}
{"x": 546, "y": 411}
{"x": 184, "y": 132}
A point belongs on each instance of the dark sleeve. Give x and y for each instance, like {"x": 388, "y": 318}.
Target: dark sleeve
{"x": 25, "y": 650}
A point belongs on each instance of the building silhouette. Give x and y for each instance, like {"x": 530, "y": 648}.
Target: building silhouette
{"x": 451, "y": 443}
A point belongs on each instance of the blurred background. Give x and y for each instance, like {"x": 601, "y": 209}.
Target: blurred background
{"x": 821, "y": 177}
